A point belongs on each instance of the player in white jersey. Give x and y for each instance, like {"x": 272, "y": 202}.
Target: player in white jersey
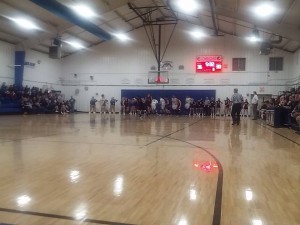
{"x": 187, "y": 104}
{"x": 162, "y": 103}
{"x": 154, "y": 102}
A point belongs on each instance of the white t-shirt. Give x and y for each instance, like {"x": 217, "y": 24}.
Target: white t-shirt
{"x": 187, "y": 103}
{"x": 254, "y": 99}
{"x": 154, "y": 102}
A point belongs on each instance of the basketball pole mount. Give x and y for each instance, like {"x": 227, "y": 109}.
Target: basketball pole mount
{"x": 153, "y": 28}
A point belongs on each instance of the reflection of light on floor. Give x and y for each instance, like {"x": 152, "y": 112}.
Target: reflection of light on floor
{"x": 80, "y": 212}
{"x": 74, "y": 176}
{"x": 182, "y": 221}
{"x": 193, "y": 194}
{"x": 80, "y": 215}
{"x": 249, "y": 194}
{"x": 23, "y": 200}
{"x": 118, "y": 185}
{"x": 206, "y": 166}
{"x": 257, "y": 222}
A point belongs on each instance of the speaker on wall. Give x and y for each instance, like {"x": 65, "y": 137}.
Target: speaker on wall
{"x": 54, "y": 52}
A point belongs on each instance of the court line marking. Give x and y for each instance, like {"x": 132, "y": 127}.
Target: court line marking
{"x": 54, "y": 216}
{"x": 266, "y": 127}
{"x": 219, "y": 191}
{"x": 218, "y": 198}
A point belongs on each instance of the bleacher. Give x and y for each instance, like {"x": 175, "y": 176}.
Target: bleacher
{"x": 278, "y": 113}
{"x": 9, "y": 107}
{"x": 19, "y": 100}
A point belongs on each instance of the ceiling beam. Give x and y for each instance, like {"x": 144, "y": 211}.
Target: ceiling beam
{"x": 297, "y": 49}
{"x": 7, "y": 11}
{"x": 47, "y": 30}
{"x": 291, "y": 5}
{"x": 285, "y": 30}
{"x": 235, "y": 35}
{"x": 237, "y": 6}
{"x": 286, "y": 44}
{"x": 213, "y": 16}
{"x": 67, "y": 14}
{"x": 123, "y": 18}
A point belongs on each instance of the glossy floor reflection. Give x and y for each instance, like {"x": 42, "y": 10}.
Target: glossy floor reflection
{"x": 164, "y": 170}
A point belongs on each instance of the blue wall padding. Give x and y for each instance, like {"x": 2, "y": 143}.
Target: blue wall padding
{"x": 181, "y": 94}
{"x": 19, "y": 70}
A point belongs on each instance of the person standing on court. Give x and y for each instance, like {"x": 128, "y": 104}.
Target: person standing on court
{"x": 72, "y": 104}
{"x": 237, "y": 100}
{"x": 112, "y": 108}
{"x": 93, "y": 105}
{"x": 254, "y": 103}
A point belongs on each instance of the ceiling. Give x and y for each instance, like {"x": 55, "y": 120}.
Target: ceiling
{"x": 220, "y": 17}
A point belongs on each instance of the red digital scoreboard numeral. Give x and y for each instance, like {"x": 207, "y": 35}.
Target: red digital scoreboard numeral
{"x": 206, "y": 64}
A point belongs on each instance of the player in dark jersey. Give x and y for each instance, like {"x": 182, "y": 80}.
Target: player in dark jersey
{"x": 218, "y": 107}
{"x": 227, "y": 107}
{"x": 212, "y": 107}
{"x": 193, "y": 108}
{"x": 245, "y": 108}
{"x": 148, "y": 101}
{"x": 207, "y": 107}
{"x": 202, "y": 107}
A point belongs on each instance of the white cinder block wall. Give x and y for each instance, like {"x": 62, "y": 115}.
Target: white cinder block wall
{"x": 7, "y": 60}
{"x": 46, "y": 72}
{"x": 295, "y": 78}
{"x": 116, "y": 65}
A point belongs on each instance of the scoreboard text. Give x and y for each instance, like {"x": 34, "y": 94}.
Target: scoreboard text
{"x": 208, "y": 64}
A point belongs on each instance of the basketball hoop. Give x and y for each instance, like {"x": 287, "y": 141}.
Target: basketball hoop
{"x": 157, "y": 80}
{"x": 158, "y": 77}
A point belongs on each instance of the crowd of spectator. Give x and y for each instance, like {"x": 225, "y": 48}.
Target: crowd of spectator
{"x": 189, "y": 106}
{"x": 287, "y": 105}
{"x": 36, "y": 100}
{"x": 9, "y": 93}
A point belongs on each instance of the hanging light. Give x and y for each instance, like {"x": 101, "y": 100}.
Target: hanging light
{"x": 255, "y": 37}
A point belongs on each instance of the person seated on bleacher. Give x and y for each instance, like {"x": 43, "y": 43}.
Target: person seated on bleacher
{"x": 291, "y": 104}
{"x": 263, "y": 110}
{"x": 27, "y": 90}
{"x": 296, "y": 112}
{"x": 3, "y": 88}
{"x": 26, "y": 105}
{"x": 286, "y": 105}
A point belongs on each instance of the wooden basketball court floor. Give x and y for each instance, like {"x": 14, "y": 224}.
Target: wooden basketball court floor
{"x": 160, "y": 170}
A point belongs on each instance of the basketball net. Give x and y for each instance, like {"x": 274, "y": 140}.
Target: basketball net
{"x": 157, "y": 80}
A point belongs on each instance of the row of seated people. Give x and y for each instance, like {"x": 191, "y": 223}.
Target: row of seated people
{"x": 14, "y": 93}
{"x": 35, "y": 100}
{"x": 8, "y": 93}
{"x": 287, "y": 108}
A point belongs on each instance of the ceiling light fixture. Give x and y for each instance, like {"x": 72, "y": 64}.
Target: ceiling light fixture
{"x": 265, "y": 10}
{"x": 187, "y": 6}
{"x": 75, "y": 44}
{"x": 84, "y": 11}
{"x": 25, "y": 23}
{"x": 254, "y": 36}
{"x": 197, "y": 34}
{"x": 122, "y": 37}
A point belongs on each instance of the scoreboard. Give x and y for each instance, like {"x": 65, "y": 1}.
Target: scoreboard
{"x": 209, "y": 63}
